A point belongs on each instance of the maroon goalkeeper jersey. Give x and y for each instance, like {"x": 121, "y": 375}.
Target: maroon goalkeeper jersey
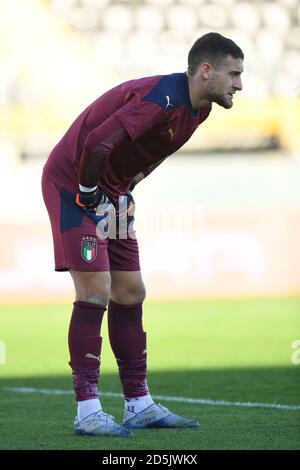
{"x": 156, "y": 113}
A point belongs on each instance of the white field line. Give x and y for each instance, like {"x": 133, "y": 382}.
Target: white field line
{"x": 198, "y": 401}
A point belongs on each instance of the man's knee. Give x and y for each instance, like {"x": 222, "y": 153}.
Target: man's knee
{"x": 92, "y": 287}
{"x": 129, "y": 296}
{"x": 127, "y": 288}
{"x": 137, "y": 295}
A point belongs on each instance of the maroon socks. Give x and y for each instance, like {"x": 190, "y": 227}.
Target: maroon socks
{"x": 85, "y": 348}
{"x": 128, "y": 342}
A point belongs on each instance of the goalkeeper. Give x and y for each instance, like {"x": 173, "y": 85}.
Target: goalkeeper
{"x": 114, "y": 143}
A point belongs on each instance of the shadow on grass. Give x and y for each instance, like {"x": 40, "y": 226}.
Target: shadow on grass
{"x": 41, "y": 421}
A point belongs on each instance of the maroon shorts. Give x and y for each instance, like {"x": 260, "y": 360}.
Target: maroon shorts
{"x": 76, "y": 244}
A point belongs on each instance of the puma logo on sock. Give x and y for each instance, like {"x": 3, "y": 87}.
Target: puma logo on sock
{"x": 91, "y": 356}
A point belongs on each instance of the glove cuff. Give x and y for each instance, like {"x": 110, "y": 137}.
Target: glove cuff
{"x": 84, "y": 189}
{"x": 87, "y": 198}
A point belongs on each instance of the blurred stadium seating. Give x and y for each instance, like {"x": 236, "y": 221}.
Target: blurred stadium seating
{"x": 56, "y": 56}
{"x": 61, "y": 49}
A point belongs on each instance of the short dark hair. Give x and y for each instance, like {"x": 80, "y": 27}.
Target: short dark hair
{"x": 213, "y": 48}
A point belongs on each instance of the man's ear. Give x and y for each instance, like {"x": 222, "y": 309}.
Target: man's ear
{"x": 205, "y": 70}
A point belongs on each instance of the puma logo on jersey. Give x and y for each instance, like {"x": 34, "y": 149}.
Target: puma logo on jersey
{"x": 91, "y": 356}
{"x": 171, "y": 133}
{"x": 168, "y": 102}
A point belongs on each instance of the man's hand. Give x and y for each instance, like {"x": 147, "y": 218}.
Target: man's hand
{"x": 125, "y": 216}
{"x": 89, "y": 199}
{"x": 95, "y": 203}
{"x": 126, "y": 207}
{"x": 114, "y": 217}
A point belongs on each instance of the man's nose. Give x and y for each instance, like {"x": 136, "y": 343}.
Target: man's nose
{"x": 238, "y": 84}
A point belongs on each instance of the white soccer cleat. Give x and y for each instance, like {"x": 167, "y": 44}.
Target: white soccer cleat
{"x": 157, "y": 416}
{"x": 100, "y": 424}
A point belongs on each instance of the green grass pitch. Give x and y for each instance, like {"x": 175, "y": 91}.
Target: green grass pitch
{"x": 232, "y": 350}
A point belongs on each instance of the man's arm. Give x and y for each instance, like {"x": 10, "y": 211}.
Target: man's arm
{"x": 98, "y": 147}
{"x": 140, "y": 176}
{"x": 136, "y": 179}
{"x": 129, "y": 122}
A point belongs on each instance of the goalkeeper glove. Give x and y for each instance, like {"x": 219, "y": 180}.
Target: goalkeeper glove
{"x": 95, "y": 203}
{"x": 126, "y": 207}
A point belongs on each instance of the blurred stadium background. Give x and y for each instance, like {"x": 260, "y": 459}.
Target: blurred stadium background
{"x": 236, "y": 182}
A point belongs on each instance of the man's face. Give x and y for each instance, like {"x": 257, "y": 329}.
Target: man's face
{"x": 224, "y": 80}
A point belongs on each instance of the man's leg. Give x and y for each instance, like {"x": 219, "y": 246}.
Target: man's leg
{"x": 128, "y": 342}
{"x": 92, "y": 293}
{"x": 127, "y": 337}
{"x": 77, "y": 246}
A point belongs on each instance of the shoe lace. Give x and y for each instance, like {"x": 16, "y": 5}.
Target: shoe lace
{"x": 163, "y": 408}
{"x": 106, "y": 415}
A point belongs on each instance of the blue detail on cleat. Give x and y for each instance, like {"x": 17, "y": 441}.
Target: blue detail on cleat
{"x": 100, "y": 424}
{"x": 157, "y": 416}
